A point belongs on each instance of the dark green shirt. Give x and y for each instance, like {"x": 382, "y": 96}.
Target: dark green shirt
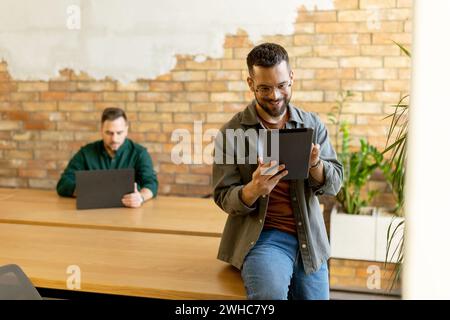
{"x": 94, "y": 156}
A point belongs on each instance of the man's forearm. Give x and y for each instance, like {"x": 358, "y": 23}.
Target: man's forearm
{"x": 146, "y": 194}
{"x": 318, "y": 173}
{"x": 248, "y": 195}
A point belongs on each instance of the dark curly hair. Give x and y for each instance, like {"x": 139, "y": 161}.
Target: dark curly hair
{"x": 266, "y": 55}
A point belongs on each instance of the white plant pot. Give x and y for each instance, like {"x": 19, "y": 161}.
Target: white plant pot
{"x": 361, "y": 237}
{"x": 384, "y": 220}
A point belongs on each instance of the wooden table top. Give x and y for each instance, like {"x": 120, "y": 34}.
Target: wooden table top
{"x": 141, "y": 264}
{"x": 178, "y": 215}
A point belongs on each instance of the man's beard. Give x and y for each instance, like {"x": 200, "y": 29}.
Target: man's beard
{"x": 112, "y": 148}
{"x": 273, "y": 112}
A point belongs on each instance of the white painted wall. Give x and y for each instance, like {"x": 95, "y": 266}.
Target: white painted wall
{"x": 131, "y": 39}
{"x": 427, "y": 259}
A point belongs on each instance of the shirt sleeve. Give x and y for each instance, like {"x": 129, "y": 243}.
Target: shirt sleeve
{"x": 145, "y": 173}
{"x": 66, "y": 184}
{"x": 333, "y": 170}
{"x": 227, "y": 181}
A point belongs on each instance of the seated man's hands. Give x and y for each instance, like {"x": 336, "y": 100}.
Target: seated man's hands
{"x": 133, "y": 200}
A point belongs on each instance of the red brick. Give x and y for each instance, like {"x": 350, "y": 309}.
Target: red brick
{"x": 8, "y": 172}
{"x": 167, "y": 127}
{"x": 15, "y": 115}
{"x": 164, "y": 86}
{"x": 153, "y": 96}
{"x": 100, "y": 106}
{"x": 316, "y": 16}
{"x": 62, "y": 86}
{"x": 156, "y": 116}
{"x": 165, "y": 178}
{"x": 9, "y": 125}
{"x": 133, "y": 86}
{"x": 207, "y": 107}
{"x": 224, "y": 75}
{"x": 52, "y": 154}
{"x": 32, "y": 173}
{"x": 206, "y": 86}
{"x": 145, "y": 127}
{"x": 39, "y": 106}
{"x": 42, "y": 183}
{"x": 140, "y": 106}
{"x": 85, "y": 96}
{"x": 53, "y": 96}
{"x": 7, "y": 87}
{"x": 41, "y": 164}
{"x": 96, "y": 86}
{"x": 56, "y": 136}
{"x": 237, "y": 42}
{"x": 87, "y": 136}
{"x": 201, "y": 169}
{"x": 118, "y": 96}
{"x": 32, "y": 86}
{"x": 172, "y": 107}
{"x": 76, "y": 106}
{"x": 189, "y": 75}
{"x": 85, "y": 116}
{"x": 226, "y": 96}
{"x": 195, "y": 179}
{"x": 233, "y": 107}
{"x": 173, "y": 168}
{"x": 205, "y": 65}
{"x": 157, "y": 137}
{"x": 79, "y": 126}
{"x": 188, "y": 117}
{"x": 190, "y": 97}
{"x": 19, "y": 154}
{"x": 47, "y": 116}
{"x": 4, "y": 76}
{"x": 38, "y": 125}
{"x": 5, "y": 144}
{"x": 24, "y": 96}
{"x": 13, "y": 182}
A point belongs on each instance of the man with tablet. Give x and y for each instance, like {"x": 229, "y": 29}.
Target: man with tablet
{"x": 114, "y": 151}
{"x": 275, "y": 232}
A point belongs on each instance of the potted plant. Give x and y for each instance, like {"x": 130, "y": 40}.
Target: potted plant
{"x": 354, "y": 226}
{"x": 396, "y": 143}
{"x": 357, "y": 231}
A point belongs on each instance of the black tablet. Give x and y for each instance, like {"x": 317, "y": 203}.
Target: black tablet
{"x": 294, "y": 150}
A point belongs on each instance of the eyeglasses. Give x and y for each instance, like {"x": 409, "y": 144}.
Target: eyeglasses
{"x": 268, "y": 90}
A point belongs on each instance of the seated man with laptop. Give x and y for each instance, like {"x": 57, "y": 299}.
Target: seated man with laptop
{"x": 114, "y": 157}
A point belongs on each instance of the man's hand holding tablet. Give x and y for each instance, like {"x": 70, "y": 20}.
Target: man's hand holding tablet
{"x": 264, "y": 179}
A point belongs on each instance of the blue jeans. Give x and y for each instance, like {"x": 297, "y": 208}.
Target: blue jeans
{"x": 273, "y": 270}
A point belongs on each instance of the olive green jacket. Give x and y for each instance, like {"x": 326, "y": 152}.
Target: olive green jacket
{"x": 244, "y": 224}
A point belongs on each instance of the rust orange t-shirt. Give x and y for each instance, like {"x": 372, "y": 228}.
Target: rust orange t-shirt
{"x": 279, "y": 211}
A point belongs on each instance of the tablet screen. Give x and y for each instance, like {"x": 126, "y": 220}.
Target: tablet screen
{"x": 291, "y": 147}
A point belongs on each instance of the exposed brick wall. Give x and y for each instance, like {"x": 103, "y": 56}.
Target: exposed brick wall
{"x": 362, "y": 276}
{"x": 43, "y": 123}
